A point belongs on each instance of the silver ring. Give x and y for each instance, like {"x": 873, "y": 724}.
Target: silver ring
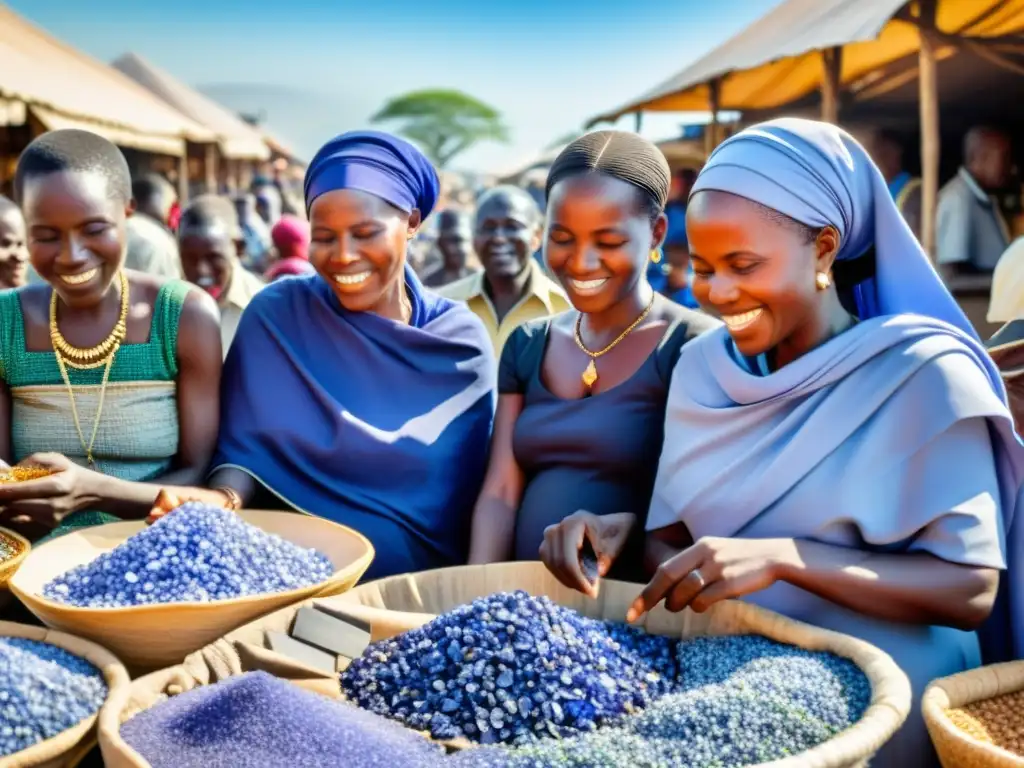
{"x": 700, "y": 579}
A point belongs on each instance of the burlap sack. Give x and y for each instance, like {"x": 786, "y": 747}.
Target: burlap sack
{"x": 956, "y": 749}
{"x": 401, "y": 603}
{"x": 68, "y": 748}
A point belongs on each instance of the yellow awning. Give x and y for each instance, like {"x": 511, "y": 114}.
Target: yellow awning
{"x": 776, "y": 60}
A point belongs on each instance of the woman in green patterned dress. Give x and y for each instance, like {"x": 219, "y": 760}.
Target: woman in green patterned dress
{"x": 108, "y": 377}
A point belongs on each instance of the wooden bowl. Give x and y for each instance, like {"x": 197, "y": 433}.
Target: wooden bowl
{"x": 66, "y": 748}
{"x": 8, "y": 567}
{"x": 153, "y": 636}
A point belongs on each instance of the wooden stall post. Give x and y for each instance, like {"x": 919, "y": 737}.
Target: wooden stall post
{"x": 210, "y": 169}
{"x": 930, "y": 142}
{"x": 714, "y": 102}
{"x": 638, "y": 121}
{"x": 832, "y": 62}
{"x": 183, "y": 177}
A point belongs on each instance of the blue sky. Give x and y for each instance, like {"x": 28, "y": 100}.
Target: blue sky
{"x": 548, "y": 65}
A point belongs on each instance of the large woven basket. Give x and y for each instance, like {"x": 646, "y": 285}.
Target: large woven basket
{"x": 956, "y": 749}
{"x": 154, "y": 636}
{"x": 8, "y": 567}
{"x": 401, "y": 603}
{"x": 68, "y": 748}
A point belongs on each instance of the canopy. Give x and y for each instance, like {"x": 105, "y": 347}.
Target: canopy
{"x": 776, "y": 60}
{"x": 65, "y": 88}
{"x": 237, "y": 139}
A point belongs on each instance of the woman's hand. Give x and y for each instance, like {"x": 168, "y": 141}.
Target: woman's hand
{"x": 169, "y": 499}
{"x": 46, "y": 501}
{"x": 715, "y": 569}
{"x": 564, "y": 543}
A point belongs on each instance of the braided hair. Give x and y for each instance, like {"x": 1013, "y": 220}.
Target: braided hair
{"x": 78, "y": 151}
{"x": 621, "y": 155}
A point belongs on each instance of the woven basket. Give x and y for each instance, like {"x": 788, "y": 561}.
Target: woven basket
{"x": 401, "y": 603}
{"x": 153, "y": 636}
{"x": 956, "y": 749}
{"x": 68, "y": 748}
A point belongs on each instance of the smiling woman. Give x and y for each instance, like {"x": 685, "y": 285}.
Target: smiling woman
{"x": 841, "y": 451}
{"x": 582, "y": 394}
{"x": 97, "y": 363}
{"x": 388, "y": 389}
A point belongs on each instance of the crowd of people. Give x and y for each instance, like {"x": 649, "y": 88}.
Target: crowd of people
{"x": 825, "y": 435}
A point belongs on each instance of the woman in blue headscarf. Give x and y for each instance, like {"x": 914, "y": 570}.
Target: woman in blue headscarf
{"x": 840, "y": 451}
{"x": 355, "y": 394}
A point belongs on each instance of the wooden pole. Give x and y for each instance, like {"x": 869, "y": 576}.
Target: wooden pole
{"x": 832, "y": 62}
{"x": 714, "y": 103}
{"x": 930, "y": 141}
{"x": 638, "y": 121}
{"x": 183, "y": 177}
{"x": 210, "y": 169}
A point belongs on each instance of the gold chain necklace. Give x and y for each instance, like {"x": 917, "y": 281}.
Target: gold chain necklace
{"x": 93, "y": 357}
{"x": 111, "y": 345}
{"x": 589, "y": 375}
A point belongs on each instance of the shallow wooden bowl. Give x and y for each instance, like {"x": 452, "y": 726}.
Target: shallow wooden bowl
{"x": 154, "y": 636}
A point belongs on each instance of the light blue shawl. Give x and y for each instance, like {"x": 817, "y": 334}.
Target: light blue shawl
{"x": 893, "y": 436}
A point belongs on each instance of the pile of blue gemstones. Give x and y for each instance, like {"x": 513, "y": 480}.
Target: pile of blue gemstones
{"x": 259, "y": 721}
{"x": 196, "y": 554}
{"x": 512, "y": 668}
{"x": 44, "y": 690}
{"x": 740, "y": 701}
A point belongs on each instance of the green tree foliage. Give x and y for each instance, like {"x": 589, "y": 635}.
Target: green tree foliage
{"x": 444, "y": 123}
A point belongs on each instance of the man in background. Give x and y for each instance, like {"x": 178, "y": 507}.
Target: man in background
{"x": 13, "y": 246}
{"x": 512, "y": 288}
{"x": 886, "y": 149}
{"x": 455, "y": 244}
{"x": 151, "y": 245}
{"x": 972, "y": 232}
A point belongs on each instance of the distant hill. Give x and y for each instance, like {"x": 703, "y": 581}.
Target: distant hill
{"x": 304, "y": 119}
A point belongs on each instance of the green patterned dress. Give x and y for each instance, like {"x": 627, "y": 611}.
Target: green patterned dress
{"x": 138, "y": 433}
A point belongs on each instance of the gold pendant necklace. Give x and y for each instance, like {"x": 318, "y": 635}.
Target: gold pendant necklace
{"x": 589, "y": 375}
{"x": 86, "y": 359}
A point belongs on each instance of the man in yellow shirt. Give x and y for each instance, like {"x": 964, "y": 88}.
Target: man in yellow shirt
{"x": 513, "y": 288}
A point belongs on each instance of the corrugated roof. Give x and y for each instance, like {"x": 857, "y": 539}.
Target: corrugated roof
{"x": 237, "y": 139}
{"x": 65, "y": 84}
{"x": 775, "y": 61}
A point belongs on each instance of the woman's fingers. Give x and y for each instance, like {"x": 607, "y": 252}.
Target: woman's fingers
{"x": 572, "y": 534}
{"x": 165, "y": 502}
{"x": 609, "y": 535}
{"x": 668, "y": 575}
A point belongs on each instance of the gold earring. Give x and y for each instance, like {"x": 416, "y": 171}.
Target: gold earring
{"x": 823, "y": 281}
{"x": 655, "y": 255}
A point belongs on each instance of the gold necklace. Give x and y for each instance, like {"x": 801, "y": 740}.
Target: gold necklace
{"x": 110, "y": 348}
{"x": 87, "y": 447}
{"x": 93, "y": 357}
{"x": 589, "y": 375}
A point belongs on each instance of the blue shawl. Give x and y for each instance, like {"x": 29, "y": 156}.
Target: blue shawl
{"x": 894, "y": 435}
{"x": 379, "y": 426}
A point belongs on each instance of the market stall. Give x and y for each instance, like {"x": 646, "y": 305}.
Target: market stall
{"x": 239, "y": 151}
{"x": 35, "y": 69}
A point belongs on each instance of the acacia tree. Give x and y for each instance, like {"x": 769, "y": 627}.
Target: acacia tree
{"x": 444, "y": 123}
